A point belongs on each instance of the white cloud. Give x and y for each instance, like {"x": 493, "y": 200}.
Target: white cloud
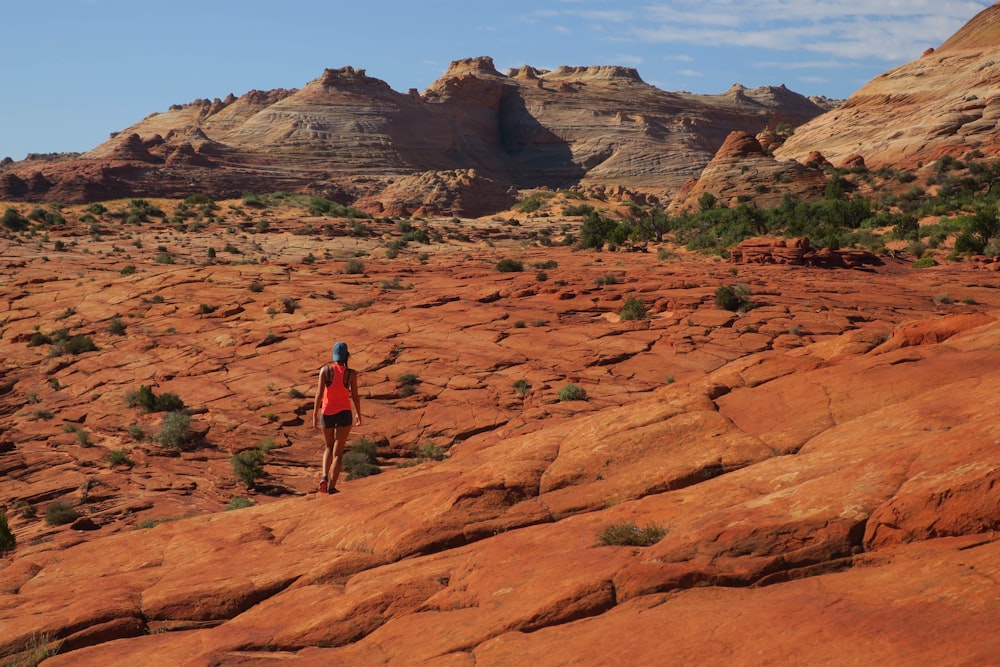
{"x": 892, "y": 30}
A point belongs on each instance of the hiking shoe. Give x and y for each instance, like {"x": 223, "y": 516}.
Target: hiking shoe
{"x": 333, "y": 490}
{"x": 322, "y": 485}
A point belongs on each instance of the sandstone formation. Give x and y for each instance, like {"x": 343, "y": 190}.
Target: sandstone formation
{"x": 349, "y": 133}
{"x": 742, "y": 171}
{"x": 822, "y": 466}
{"x": 944, "y": 103}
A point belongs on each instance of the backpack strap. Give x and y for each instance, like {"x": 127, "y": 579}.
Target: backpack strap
{"x": 327, "y": 375}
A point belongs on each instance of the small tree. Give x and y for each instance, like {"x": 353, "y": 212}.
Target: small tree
{"x": 634, "y": 309}
{"x": 248, "y": 466}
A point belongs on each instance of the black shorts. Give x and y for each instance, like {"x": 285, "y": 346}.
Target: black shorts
{"x": 342, "y": 418}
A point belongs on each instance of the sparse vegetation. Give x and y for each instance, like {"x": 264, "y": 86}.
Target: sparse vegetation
{"x": 175, "y": 433}
{"x": 8, "y": 542}
{"x": 118, "y": 457}
{"x": 148, "y": 401}
{"x": 572, "y": 392}
{"x": 735, "y": 298}
{"x": 248, "y": 466}
{"x": 361, "y": 459}
{"x": 407, "y": 383}
{"x": 522, "y": 387}
{"x": 239, "y": 503}
{"x": 634, "y": 309}
{"x": 508, "y": 265}
{"x": 629, "y": 534}
{"x": 60, "y": 512}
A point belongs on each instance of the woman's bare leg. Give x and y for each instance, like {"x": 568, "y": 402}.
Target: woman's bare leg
{"x": 338, "y": 453}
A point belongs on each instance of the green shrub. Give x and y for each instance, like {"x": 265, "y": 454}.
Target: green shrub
{"x": 76, "y": 345}
{"x": 508, "y": 265}
{"x": 128, "y": 270}
{"x": 407, "y": 383}
{"x": 60, "y": 512}
{"x": 634, "y": 309}
{"x": 354, "y": 267}
{"x": 628, "y": 534}
{"x": 206, "y": 309}
{"x": 361, "y": 459}
{"x": 578, "y": 209}
{"x": 522, "y": 387}
{"x": 248, "y": 466}
{"x": 116, "y": 327}
{"x": 8, "y": 542}
{"x": 429, "y": 451}
{"x": 572, "y": 392}
{"x": 733, "y": 298}
{"x": 239, "y": 503}
{"x": 925, "y": 262}
{"x": 150, "y": 402}
{"x": 118, "y": 457}
{"x": 532, "y": 203}
{"x": 256, "y": 287}
{"x": 175, "y": 433}
{"x": 14, "y": 221}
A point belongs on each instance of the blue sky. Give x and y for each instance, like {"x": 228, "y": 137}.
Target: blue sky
{"x": 76, "y": 70}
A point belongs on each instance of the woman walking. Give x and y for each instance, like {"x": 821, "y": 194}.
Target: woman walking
{"x": 336, "y": 391}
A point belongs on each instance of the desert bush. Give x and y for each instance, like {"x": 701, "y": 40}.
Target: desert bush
{"x": 361, "y": 459}
{"x": 73, "y": 345}
{"x": 407, "y": 383}
{"x": 175, "y": 433}
{"x": 578, "y": 209}
{"x": 634, "y": 309}
{"x": 248, "y": 466}
{"x": 128, "y": 270}
{"x": 354, "y": 266}
{"x": 522, "y": 387}
{"x": 239, "y": 503}
{"x": 729, "y": 297}
{"x": 116, "y": 327}
{"x": 256, "y": 287}
{"x": 628, "y": 534}
{"x": 430, "y": 451}
{"x": 60, "y": 512}
{"x": 8, "y": 542}
{"x": 150, "y": 402}
{"x": 924, "y": 262}
{"x": 572, "y": 392}
{"x": 14, "y": 221}
{"x": 118, "y": 457}
{"x": 508, "y": 265}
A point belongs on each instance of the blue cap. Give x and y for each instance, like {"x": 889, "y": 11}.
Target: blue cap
{"x": 340, "y": 352}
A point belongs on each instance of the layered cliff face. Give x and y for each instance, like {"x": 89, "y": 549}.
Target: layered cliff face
{"x": 945, "y": 103}
{"x": 599, "y": 126}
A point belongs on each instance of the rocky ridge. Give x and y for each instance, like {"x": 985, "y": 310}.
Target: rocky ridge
{"x": 350, "y": 134}
{"x": 943, "y": 103}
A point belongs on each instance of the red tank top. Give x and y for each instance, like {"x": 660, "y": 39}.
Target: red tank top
{"x": 336, "y": 397}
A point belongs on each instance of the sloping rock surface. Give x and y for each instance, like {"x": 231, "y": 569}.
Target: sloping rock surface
{"x": 944, "y": 103}
{"x": 823, "y": 467}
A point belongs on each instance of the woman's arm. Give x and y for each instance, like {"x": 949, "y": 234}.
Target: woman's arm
{"x": 356, "y": 397}
{"x": 317, "y": 406}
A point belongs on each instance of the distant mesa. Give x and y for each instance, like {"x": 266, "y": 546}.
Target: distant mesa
{"x": 575, "y": 126}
